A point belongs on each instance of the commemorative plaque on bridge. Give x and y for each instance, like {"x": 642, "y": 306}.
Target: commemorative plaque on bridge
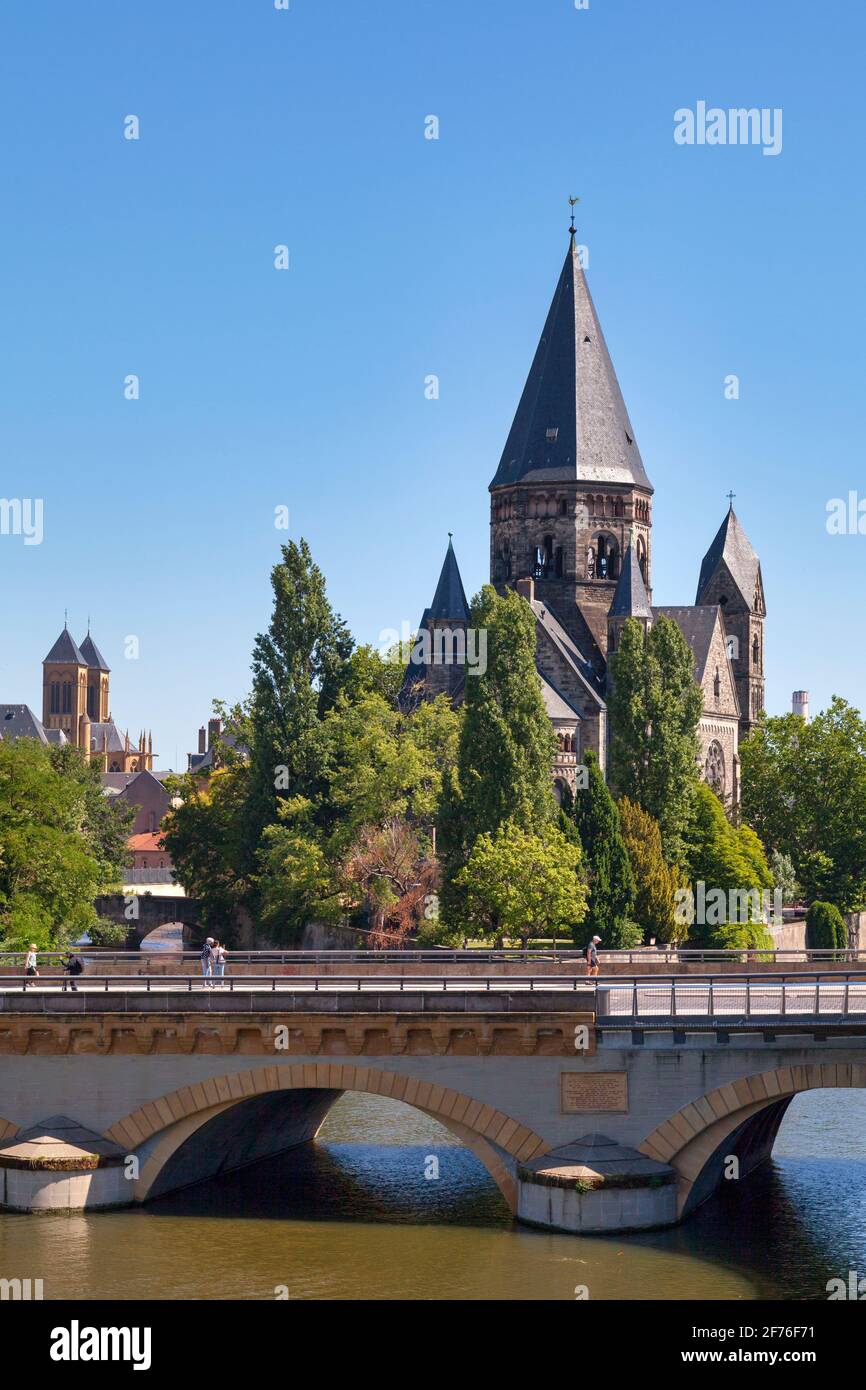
{"x": 582, "y": 1091}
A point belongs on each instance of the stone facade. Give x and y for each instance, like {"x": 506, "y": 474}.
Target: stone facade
{"x": 571, "y": 511}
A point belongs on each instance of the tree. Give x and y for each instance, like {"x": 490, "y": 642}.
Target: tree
{"x": 517, "y": 884}
{"x": 656, "y": 881}
{"x": 382, "y": 763}
{"x": 804, "y": 791}
{"x": 506, "y": 745}
{"x": 206, "y": 835}
{"x": 296, "y": 882}
{"x": 51, "y": 848}
{"x": 655, "y": 705}
{"x": 608, "y": 868}
{"x": 397, "y": 877}
{"x": 825, "y": 928}
{"x": 784, "y": 876}
{"x": 728, "y": 870}
{"x": 298, "y": 667}
{"x": 105, "y": 824}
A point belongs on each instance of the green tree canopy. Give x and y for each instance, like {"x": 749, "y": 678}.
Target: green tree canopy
{"x": 655, "y": 705}
{"x": 608, "y": 868}
{"x": 727, "y": 867}
{"x": 656, "y": 881}
{"x": 506, "y": 745}
{"x": 804, "y": 791}
{"x": 519, "y": 885}
{"x": 59, "y": 846}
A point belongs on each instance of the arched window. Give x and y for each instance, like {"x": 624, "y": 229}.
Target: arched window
{"x": 619, "y": 507}
{"x": 557, "y": 562}
{"x": 756, "y": 654}
{"x": 67, "y": 697}
{"x": 641, "y": 558}
{"x": 55, "y": 697}
{"x": 714, "y": 768}
{"x": 563, "y": 506}
{"x": 717, "y": 684}
{"x": 606, "y": 560}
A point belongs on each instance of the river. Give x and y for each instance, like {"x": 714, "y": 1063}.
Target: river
{"x": 356, "y": 1215}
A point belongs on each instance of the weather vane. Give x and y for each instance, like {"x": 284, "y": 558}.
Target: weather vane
{"x": 572, "y": 202}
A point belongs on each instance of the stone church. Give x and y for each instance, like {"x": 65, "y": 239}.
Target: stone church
{"x": 571, "y": 511}
{"x": 75, "y": 705}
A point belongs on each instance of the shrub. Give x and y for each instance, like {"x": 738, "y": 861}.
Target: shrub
{"x": 825, "y": 928}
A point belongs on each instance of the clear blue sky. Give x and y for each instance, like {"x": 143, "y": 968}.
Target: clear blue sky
{"x": 409, "y": 257}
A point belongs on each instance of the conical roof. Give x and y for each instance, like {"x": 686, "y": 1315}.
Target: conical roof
{"x": 571, "y": 423}
{"x": 731, "y": 545}
{"x": 65, "y": 651}
{"x": 630, "y": 597}
{"x": 92, "y": 655}
{"x": 449, "y": 601}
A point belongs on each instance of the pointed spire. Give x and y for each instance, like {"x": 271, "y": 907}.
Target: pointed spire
{"x": 92, "y": 655}
{"x": 732, "y": 547}
{"x": 65, "y": 652}
{"x": 630, "y": 597}
{"x": 449, "y": 601}
{"x": 572, "y": 423}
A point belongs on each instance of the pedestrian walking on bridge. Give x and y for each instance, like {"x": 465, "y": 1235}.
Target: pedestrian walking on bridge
{"x": 207, "y": 962}
{"x": 219, "y": 960}
{"x": 591, "y": 956}
{"x": 30, "y": 963}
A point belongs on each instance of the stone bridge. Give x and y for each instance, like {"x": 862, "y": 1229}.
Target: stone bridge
{"x": 586, "y": 1121}
{"x": 153, "y": 910}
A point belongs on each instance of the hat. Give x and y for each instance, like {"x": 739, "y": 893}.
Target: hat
{"x": 210, "y": 941}
{"x": 596, "y": 938}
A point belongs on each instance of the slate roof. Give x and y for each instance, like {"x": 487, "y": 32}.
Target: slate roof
{"x": 449, "y": 600}
{"x": 92, "y": 655}
{"x": 630, "y": 597}
{"x": 116, "y": 741}
{"x": 568, "y": 650}
{"x": 572, "y": 390}
{"x": 731, "y": 545}
{"x": 697, "y": 624}
{"x": 65, "y": 651}
{"x": 555, "y": 703}
{"x": 19, "y": 721}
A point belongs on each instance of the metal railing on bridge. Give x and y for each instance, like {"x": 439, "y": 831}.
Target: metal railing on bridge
{"x": 457, "y": 956}
{"x": 704, "y": 1001}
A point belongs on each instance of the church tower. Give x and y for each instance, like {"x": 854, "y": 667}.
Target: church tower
{"x": 629, "y": 601}
{"x": 64, "y": 690}
{"x": 98, "y": 705}
{"x": 571, "y": 486}
{"x": 437, "y": 665}
{"x": 731, "y": 577}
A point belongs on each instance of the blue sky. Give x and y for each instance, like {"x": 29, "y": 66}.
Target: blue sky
{"x": 408, "y": 256}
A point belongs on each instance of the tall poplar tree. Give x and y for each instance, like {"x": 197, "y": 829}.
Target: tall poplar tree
{"x": 608, "y": 867}
{"x": 506, "y": 745}
{"x": 655, "y": 705}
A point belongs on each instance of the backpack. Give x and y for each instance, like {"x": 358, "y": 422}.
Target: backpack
{"x": 75, "y": 966}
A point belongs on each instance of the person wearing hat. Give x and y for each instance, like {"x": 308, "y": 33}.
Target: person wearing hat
{"x": 591, "y": 956}
{"x": 207, "y": 960}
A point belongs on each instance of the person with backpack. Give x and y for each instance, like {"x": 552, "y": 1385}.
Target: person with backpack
{"x": 73, "y": 966}
{"x": 207, "y": 962}
{"x": 591, "y": 956}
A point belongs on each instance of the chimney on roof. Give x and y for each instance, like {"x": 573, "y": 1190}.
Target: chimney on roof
{"x": 202, "y": 740}
{"x": 800, "y": 704}
{"x": 525, "y": 587}
{"x": 213, "y": 731}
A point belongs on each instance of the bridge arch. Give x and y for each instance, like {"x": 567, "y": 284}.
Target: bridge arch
{"x": 741, "y": 1118}
{"x": 166, "y": 1124}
